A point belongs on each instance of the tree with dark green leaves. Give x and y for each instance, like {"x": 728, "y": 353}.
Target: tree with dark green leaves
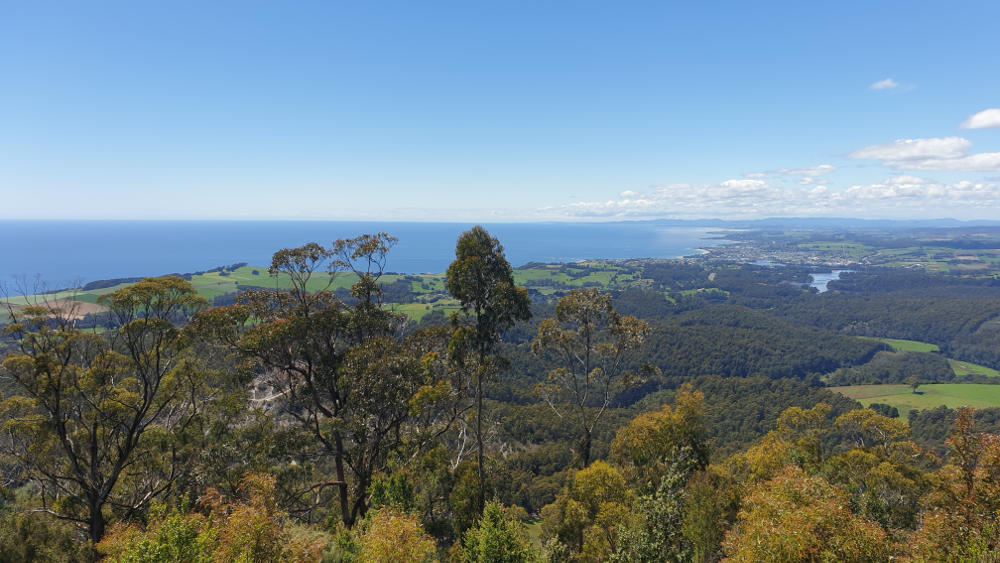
{"x": 588, "y": 341}
{"x": 483, "y": 282}
{"x": 94, "y": 419}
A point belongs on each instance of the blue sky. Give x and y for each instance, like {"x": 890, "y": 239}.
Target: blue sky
{"x": 495, "y": 111}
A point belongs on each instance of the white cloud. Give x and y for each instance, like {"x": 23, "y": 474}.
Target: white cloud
{"x": 884, "y": 84}
{"x": 904, "y": 179}
{"x": 897, "y": 196}
{"x": 744, "y": 185}
{"x": 982, "y": 162}
{"x": 808, "y": 175}
{"x": 982, "y": 120}
{"x": 947, "y": 153}
{"x": 907, "y": 149}
{"x": 918, "y": 193}
{"x": 811, "y": 171}
{"x": 737, "y": 196}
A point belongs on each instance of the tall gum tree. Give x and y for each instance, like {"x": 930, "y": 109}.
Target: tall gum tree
{"x": 482, "y": 280}
{"x": 93, "y": 418}
{"x": 588, "y": 341}
{"x": 339, "y": 370}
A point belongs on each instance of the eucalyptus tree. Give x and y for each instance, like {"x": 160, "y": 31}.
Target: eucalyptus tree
{"x": 94, "y": 419}
{"x": 339, "y": 370}
{"x": 482, "y": 280}
{"x": 588, "y": 342}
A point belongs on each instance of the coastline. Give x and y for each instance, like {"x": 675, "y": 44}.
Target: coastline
{"x": 73, "y": 253}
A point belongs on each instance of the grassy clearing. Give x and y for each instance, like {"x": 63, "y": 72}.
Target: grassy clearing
{"x": 536, "y": 275}
{"x": 853, "y": 251}
{"x": 951, "y": 395}
{"x": 901, "y": 345}
{"x": 959, "y": 367}
{"x": 245, "y": 276}
{"x": 965, "y": 368}
{"x": 429, "y": 290}
{"x": 429, "y": 283}
{"x": 566, "y": 275}
{"x": 417, "y": 311}
{"x": 535, "y": 533}
{"x": 41, "y": 299}
{"x": 705, "y": 291}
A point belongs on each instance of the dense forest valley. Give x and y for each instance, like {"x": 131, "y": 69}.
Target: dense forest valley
{"x": 719, "y": 407}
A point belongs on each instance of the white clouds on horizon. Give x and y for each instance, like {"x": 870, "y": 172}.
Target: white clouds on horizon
{"x": 946, "y": 153}
{"x": 982, "y": 162}
{"x": 806, "y": 176}
{"x": 811, "y": 171}
{"x": 909, "y": 149}
{"x": 899, "y": 196}
{"x": 809, "y": 175}
{"x": 985, "y": 119}
{"x": 807, "y": 191}
{"x": 909, "y": 192}
{"x": 884, "y": 84}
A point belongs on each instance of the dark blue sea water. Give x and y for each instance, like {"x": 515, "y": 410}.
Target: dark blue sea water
{"x": 67, "y": 253}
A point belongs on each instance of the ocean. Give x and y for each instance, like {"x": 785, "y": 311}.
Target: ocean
{"x": 70, "y": 253}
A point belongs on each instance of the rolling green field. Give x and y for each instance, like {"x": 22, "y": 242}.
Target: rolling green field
{"x": 901, "y": 345}
{"x": 959, "y": 367}
{"x": 932, "y": 257}
{"x": 549, "y": 278}
{"x": 429, "y": 292}
{"x": 965, "y": 368}
{"x": 951, "y": 395}
{"x": 850, "y": 250}
{"x": 416, "y": 311}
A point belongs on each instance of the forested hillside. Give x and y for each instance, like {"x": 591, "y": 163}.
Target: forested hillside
{"x": 323, "y": 409}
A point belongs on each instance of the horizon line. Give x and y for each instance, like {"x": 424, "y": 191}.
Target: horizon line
{"x": 499, "y": 221}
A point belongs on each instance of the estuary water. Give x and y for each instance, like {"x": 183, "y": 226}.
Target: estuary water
{"x": 70, "y": 253}
{"x": 820, "y": 281}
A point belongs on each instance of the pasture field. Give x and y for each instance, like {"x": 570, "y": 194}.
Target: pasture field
{"x": 936, "y": 258}
{"x": 931, "y": 257}
{"x": 965, "y": 368}
{"x": 211, "y": 284}
{"x": 958, "y": 366}
{"x": 416, "y": 311}
{"x": 428, "y": 290}
{"x": 68, "y": 294}
{"x": 850, "y": 250}
{"x": 900, "y": 345}
{"x": 428, "y": 283}
{"x": 549, "y": 278}
{"x": 929, "y": 396}
{"x": 709, "y": 290}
